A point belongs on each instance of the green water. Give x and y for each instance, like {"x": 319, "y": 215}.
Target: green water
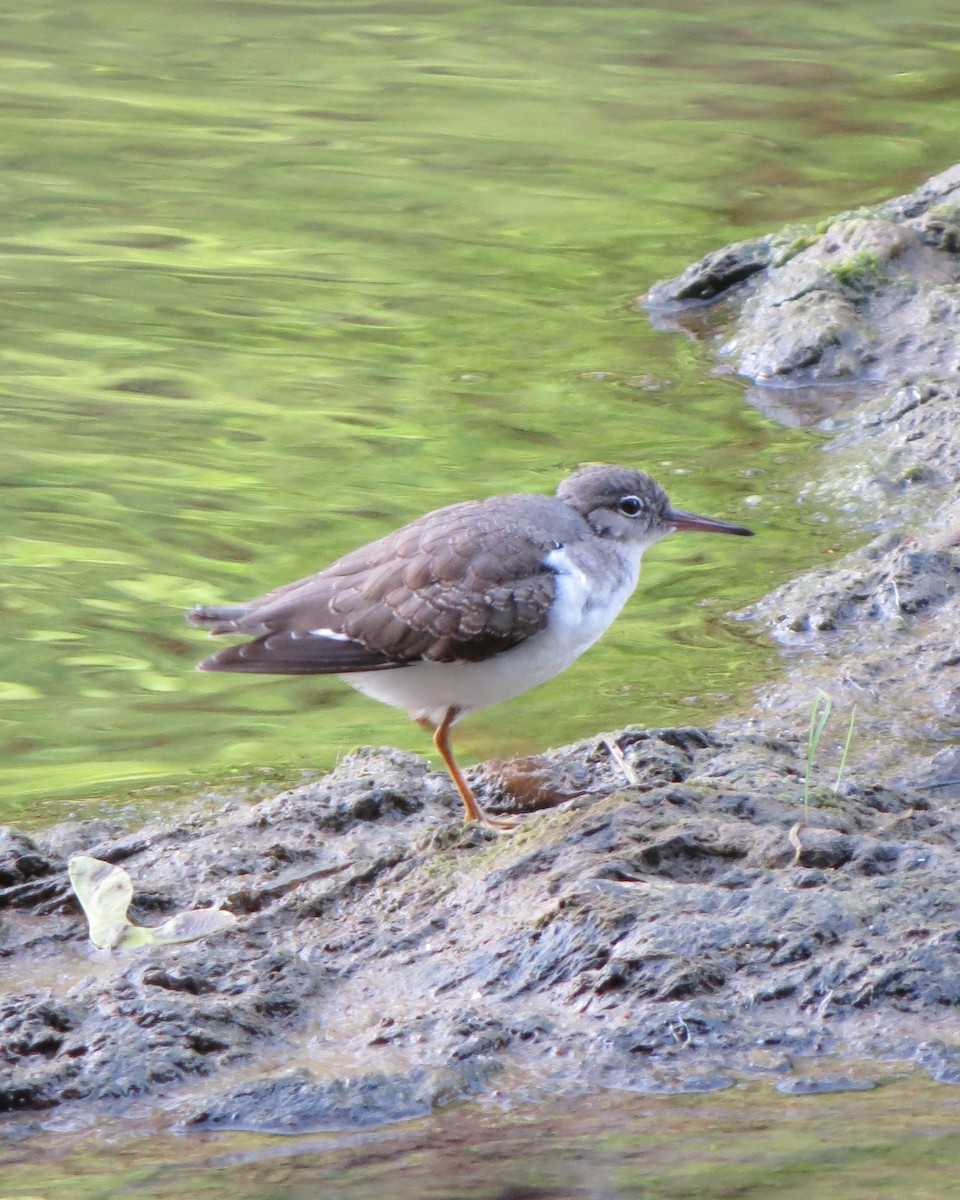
{"x": 276, "y": 277}
{"x": 900, "y": 1140}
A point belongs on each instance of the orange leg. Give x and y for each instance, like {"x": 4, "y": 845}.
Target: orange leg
{"x": 441, "y": 739}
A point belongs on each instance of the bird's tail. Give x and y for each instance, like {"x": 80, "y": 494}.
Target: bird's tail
{"x": 217, "y": 618}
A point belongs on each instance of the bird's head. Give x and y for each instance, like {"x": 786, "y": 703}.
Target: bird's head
{"x": 629, "y": 506}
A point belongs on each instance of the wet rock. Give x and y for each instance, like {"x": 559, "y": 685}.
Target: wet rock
{"x": 824, "y": 1085}
{"x": 941, "y": 1061}
{"x": 296, "y": 1103}
{"x": 20, "y": 859}
{"x": 870, "y": 297}
{"x": 714, "y": 275}
{"x": 28, "y": 876}
{"x": 532, "y": 783}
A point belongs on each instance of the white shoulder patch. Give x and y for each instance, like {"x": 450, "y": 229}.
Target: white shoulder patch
{"x": 561, "y": 563}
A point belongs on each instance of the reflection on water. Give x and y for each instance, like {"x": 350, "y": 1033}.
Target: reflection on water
{"x": 898, "y": 1140}
{"x": 277, "y": 277}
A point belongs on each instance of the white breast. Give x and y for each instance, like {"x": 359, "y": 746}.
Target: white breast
{"x": 579, "y": 615}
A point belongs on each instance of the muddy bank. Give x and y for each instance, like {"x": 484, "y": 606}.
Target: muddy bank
{"x": 673, "y": 917}
{"x": 669, "y": 934}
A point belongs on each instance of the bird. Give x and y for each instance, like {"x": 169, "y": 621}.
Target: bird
{"x": 465, "y": 607}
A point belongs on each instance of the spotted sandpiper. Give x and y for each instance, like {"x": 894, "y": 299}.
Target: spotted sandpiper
{"x": 468, "y": 606}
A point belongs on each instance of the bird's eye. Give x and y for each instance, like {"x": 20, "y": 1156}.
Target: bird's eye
{"x": 630, "y": 506}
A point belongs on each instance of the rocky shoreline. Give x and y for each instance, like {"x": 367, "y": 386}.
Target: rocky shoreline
{"x": 676, "y": 916}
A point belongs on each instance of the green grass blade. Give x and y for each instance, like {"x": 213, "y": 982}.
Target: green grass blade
{"x": 846, "y": 749}
{"x": 819, "y": 714}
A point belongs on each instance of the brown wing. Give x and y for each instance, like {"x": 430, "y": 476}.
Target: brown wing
{"x": 458, "y": 585}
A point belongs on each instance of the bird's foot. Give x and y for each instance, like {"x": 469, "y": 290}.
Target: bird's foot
{"x": 500, "y": 824}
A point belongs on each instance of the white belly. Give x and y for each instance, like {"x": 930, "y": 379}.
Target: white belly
{"x": 578, "y": 617}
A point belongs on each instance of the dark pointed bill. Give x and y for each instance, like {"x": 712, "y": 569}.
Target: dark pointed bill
{"x": 697, "y": 524}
